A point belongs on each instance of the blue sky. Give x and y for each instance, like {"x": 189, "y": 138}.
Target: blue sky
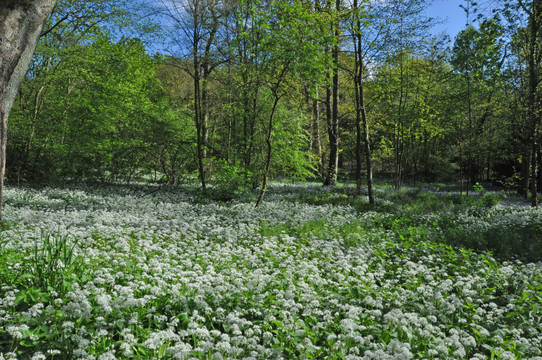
{"x": 451, "y": 13}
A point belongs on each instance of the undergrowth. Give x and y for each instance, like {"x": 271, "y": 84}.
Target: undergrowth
{"x": 125, "y": 273}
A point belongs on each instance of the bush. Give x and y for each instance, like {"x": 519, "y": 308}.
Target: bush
{"x": 230, "y": 182}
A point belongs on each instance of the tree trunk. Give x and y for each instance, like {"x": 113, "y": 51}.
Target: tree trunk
{"x": 361, "y": 115}
{"x": 534, "y": 165}
{"x": 198, "y": 122}
{"x": 205, "y": 120}
{"x": 358, "y": 139}
{"x": 316, "y": 132}
{"x": 366, "y": 140}
{"x": 539, "y": 176}
{"x": 333, "y": 120}
{"x": 400, "y": 157}
{"x": 21, "y": 24}
{"x": 269, "y": 141}
{"x": 534, "y": 58}
{"x": 469, "y": 153}
{"x": 525, "y": 173}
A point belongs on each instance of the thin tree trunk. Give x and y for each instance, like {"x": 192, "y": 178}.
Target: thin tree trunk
{"x": 269, "y": 141}
{"x": 525, "y": 174}
{"x": 469, "y": 153}
{"x": 534, "y": 165}
{"x": 198, "y": 122}
{"x": 533, "y": 60}
{"x": 358, "y": 138}
{"x": 361, "y": 115}
{"x": 357, "y": 89}
{"x": 460, "y": 165}
{"x": 334, "y": 159}
{"x": 329, "y": 121}
{"x": 21, "y": 24}
{"x": 205, "y": 115}
{"x": 400, "y": 137}
{"x": 308, "y": 106}
{"x": 368, "y": 162}
{"x": 333, "y": 122}
{"x": 316, "y": 132}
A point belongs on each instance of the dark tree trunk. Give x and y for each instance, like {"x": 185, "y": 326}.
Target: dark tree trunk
{"x": 361, "y": 116}
{"x": 534, "y": 59}
{"x": 269, "y": 142}
{"x": 534, "y": 166}
{"x": 21, "y": 24}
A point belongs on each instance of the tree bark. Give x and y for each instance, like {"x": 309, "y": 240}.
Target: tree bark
{"x": 534, "y": 58}
{"x": 361, "y": 115}
{"x": 21, "y": 24}
{"x": 316, "y": 133}
{"x": 525, "y": 172}
{"x": 269, "y": 142}
{"x": 333, "y": 120}
{"x": 534, "y": 165}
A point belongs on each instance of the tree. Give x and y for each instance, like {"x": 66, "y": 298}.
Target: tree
{"x": 527, "y": 43}
{"x": 101, "y": 113}
{"x": 533, "y": 35}
{"x": 198, "y": 24}
{"x": 362, "y": 124}
{"x": 332, "y": 94}
{"x": 21, "y": 24}
{"x": 244, "y": 83}
{"x": 404, "y": 29}
{"x": 293, "y": 49}
{"x": 478, "y": 57}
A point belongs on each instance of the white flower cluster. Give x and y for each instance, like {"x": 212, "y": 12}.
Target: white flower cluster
{"x": 167, "y": 278}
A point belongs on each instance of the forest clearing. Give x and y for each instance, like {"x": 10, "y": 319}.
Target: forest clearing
{"x": 270, "y": 179}
{"x": 134, "y": 272}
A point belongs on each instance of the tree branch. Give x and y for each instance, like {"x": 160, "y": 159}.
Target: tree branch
{"x": 54, "y": 26}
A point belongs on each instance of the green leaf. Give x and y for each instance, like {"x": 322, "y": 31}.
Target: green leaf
{"x": 26, "y": 276}
{"x": 511, "y": 314}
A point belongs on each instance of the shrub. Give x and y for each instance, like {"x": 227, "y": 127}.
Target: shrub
{"x": 230, "y": 182}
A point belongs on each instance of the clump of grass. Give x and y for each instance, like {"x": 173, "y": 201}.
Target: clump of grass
{"x": 33, "y": 278}
{"x": 50, "y": 265}
{"x": 54, "y": 261}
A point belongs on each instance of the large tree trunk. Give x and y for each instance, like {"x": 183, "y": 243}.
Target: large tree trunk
{"x": 21, "y": 24}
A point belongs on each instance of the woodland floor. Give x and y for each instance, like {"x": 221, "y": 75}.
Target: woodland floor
{"x": 136, "y": 272}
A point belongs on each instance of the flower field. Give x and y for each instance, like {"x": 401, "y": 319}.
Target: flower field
{"x": 128, "y": 273}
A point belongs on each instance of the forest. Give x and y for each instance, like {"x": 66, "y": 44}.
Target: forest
{"x": 270, "y": 179}
{"x": 287, "y": 89}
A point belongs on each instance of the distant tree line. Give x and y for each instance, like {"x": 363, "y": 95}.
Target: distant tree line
{"x": 253, "y": 89}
